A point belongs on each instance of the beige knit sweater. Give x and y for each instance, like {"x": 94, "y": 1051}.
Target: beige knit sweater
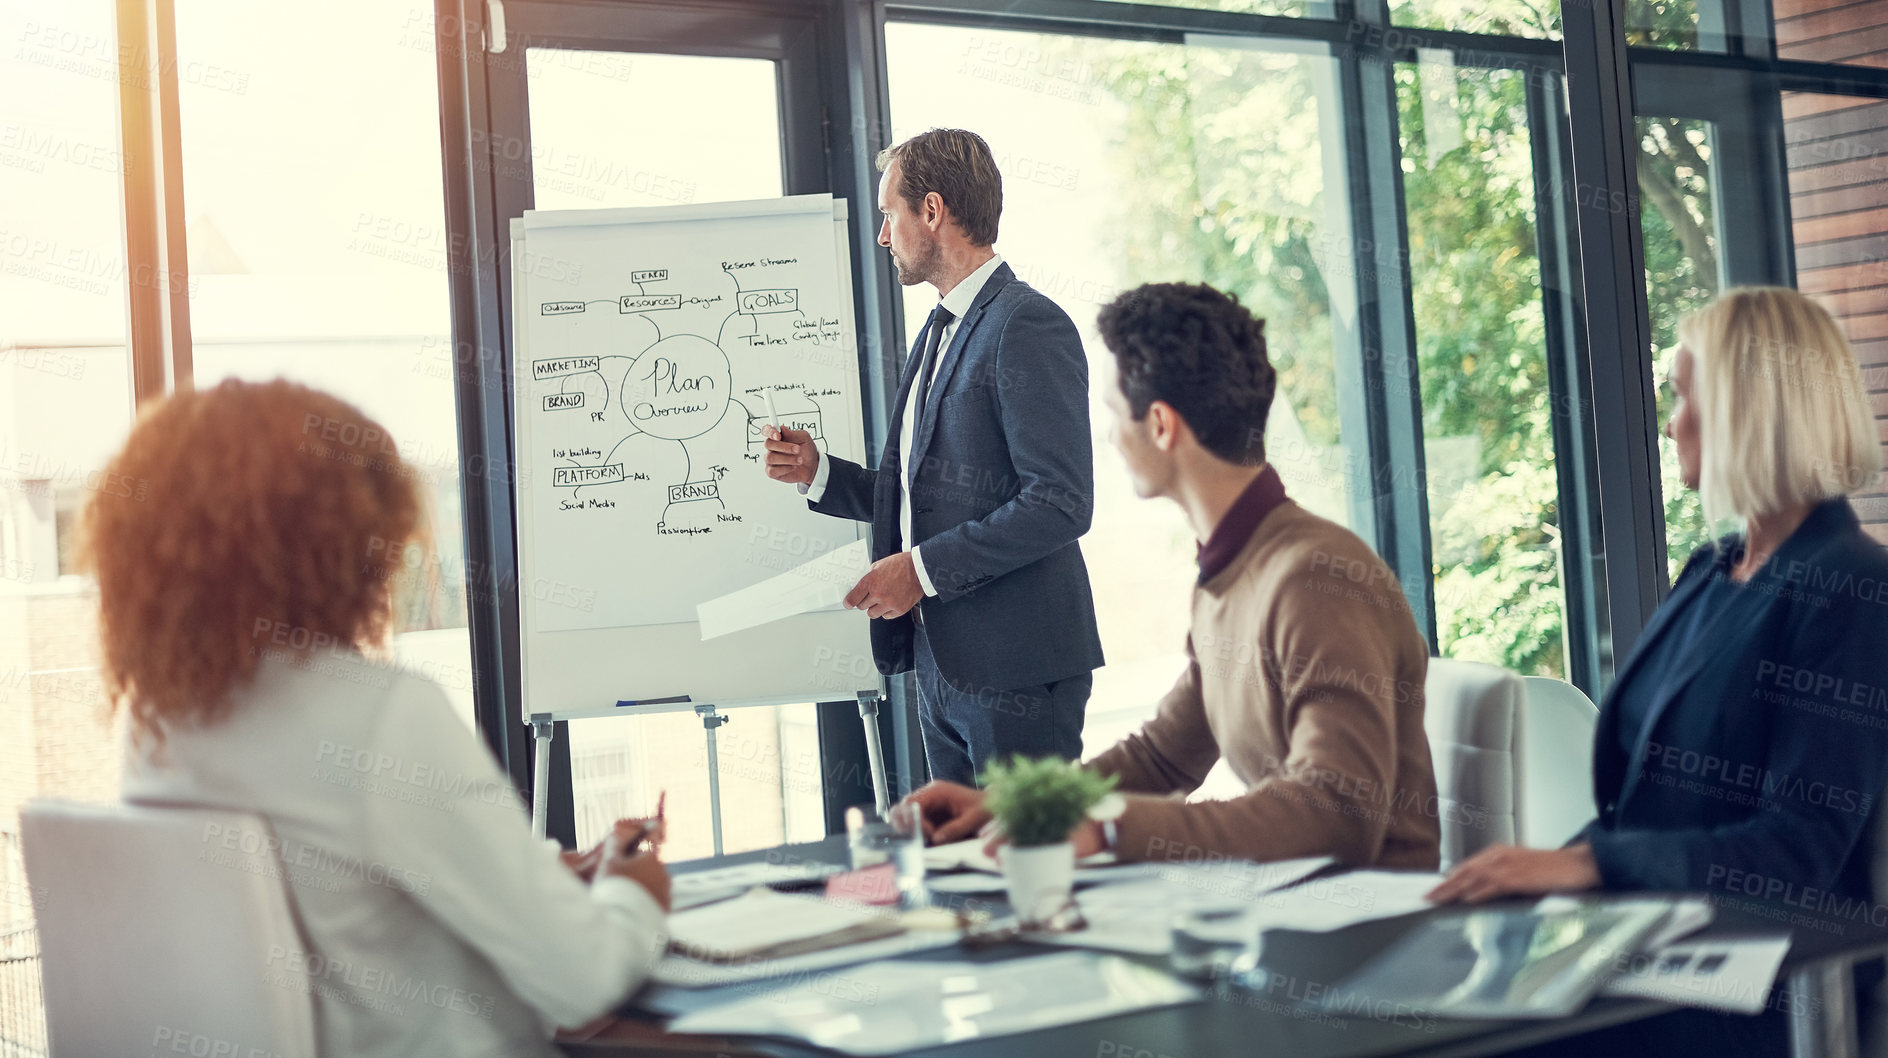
{"x": 1305, "y": 671}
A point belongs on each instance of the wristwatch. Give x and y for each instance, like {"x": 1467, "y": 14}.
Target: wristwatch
{"x": 1106, "y": 811}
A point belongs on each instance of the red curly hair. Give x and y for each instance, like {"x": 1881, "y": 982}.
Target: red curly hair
{"x": 237, "y": 522}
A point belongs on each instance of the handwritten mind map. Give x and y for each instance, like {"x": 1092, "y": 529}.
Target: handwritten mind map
{"x": 648, "y": 403}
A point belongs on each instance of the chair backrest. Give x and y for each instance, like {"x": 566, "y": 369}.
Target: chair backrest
{"x": 1556, "y": 762}
{"x": 1473, "y": 715}
{"x": 157, "y": 931}
{"x": 1874, "y": 1013}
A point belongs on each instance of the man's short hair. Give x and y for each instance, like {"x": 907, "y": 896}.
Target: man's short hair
{"x": 1202, "y": 353}
{"x": 1784, "y": 415}
{"x": 958, "y": 166}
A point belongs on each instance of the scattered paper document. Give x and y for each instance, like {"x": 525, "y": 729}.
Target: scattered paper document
{"x": 969, "y": 883}
{"x": 682, "y": 972}
{"x": 893, "y": 1007}
{"x": 1323, "y": 905}
{"x": 1236, "y": 879}
{"x": 1135, "y": 915}
{"x": 764, "y": 924}
{"x": 969, "y": 855}
{"x": 694, "y": 888}
{"x": 818, "y": 585}
{"x": 1733, "y": 974}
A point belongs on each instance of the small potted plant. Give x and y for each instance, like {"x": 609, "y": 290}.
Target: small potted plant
{"x": 1038, "y": 802}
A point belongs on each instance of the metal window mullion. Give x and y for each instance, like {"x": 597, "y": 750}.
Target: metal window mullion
{"x": 1385, "y": 388}
{"x": 1750, "y": 187}
{"x": 1604, "y": 151}
{"x": 474, "y": 259}
{"x": 1162, "y": 22}
{"x": 855, "y": 142}
{"x": 1583, "y": 570}
{"x": 157, "y": 274}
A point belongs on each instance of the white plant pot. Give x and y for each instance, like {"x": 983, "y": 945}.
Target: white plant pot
{"x": 1039, "y": 880}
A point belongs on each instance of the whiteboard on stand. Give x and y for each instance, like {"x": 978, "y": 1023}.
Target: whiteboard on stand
{"x": 650, "y": 348}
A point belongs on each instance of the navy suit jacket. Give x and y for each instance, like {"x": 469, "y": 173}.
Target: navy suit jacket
{"x": 1002, "y": 486}
{"x": 1762, "y": 761}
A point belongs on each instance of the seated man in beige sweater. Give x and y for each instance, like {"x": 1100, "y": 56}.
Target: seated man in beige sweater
{"x": 1305, "y": 669}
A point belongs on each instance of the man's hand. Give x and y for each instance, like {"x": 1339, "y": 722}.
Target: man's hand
{"x": 949, "y": 812}
{"x": 1509, "y": 871}
{"x": 622, "y": 857}
{"x": 889, "y": 589}
{"x": 792, "y": 456}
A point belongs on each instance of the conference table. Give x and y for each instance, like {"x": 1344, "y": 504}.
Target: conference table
{"x": 1271, "y": 1020}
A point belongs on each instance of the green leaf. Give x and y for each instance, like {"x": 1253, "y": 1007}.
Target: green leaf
{"x": 1040, "y": 801}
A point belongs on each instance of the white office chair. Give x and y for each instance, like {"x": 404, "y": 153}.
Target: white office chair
{"x": 1473, "y": 715}
{"x": 1872, "y": 1018}
{"x": 153, "y": 932}
{"x": 1556, "y": 762}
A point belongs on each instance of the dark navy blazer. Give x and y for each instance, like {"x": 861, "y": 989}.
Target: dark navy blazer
{"x": 1003, "y": 484}
{"x": 1764, "y": 755}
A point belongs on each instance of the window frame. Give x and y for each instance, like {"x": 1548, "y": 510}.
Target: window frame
{"x": 1598, "y": 352}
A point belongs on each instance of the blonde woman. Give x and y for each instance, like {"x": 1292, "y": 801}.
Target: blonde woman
{"x": 1743, "y": 745}
{"x": 242, "y": 586}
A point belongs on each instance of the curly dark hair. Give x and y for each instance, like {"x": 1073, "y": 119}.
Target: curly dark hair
{"x": 1202, "y": 353}
{"x": 958, "y": 165}
{"x": 262, "y": 513}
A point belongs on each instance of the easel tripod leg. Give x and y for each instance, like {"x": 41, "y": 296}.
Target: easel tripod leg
{"x": 874, "y": 752}
{"x": 541, "y": 731}
{"x": 709, "y": 721}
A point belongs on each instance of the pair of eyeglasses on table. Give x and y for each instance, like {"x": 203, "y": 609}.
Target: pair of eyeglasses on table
{"x": 982, "y": 934}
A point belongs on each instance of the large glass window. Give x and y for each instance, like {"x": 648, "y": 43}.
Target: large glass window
{"x": 1665, "y": 23}
{"x": 1218, "y": 161}
{"x": 596, "y": 143}
{"x": 1488, "y": 442}
{"x": 1678, "y": 215}
{"x": 65, "y": 405}
{"x": 1513, "y": 18}
{"x": 315, "y": 222}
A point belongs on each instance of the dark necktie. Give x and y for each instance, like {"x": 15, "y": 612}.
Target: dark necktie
{"x": 941, "y": 318}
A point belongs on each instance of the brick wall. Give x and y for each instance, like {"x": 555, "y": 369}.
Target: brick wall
{"x": 1853, "y": 31}
{"x": 1838, "y": 166}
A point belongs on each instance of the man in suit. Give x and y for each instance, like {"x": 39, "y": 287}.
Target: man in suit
{"x": 983, "y": 487}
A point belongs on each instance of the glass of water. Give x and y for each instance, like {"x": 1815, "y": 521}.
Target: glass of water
{"x": 893, "y": 836}
{"x": 1214, "y": 941}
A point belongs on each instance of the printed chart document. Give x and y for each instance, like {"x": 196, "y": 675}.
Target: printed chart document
{"x": 818, "y": 585}
{"x": 1499, "y": 963}
{"x": 1732, "y": 974}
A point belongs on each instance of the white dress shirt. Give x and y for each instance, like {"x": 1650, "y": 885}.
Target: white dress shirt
{"x": 957, "y": 302}
{"x": 436, "y": 924}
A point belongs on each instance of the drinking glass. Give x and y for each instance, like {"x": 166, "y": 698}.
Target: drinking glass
{"x": 1214, "y": 940}
{"x": 893, "y": 836}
